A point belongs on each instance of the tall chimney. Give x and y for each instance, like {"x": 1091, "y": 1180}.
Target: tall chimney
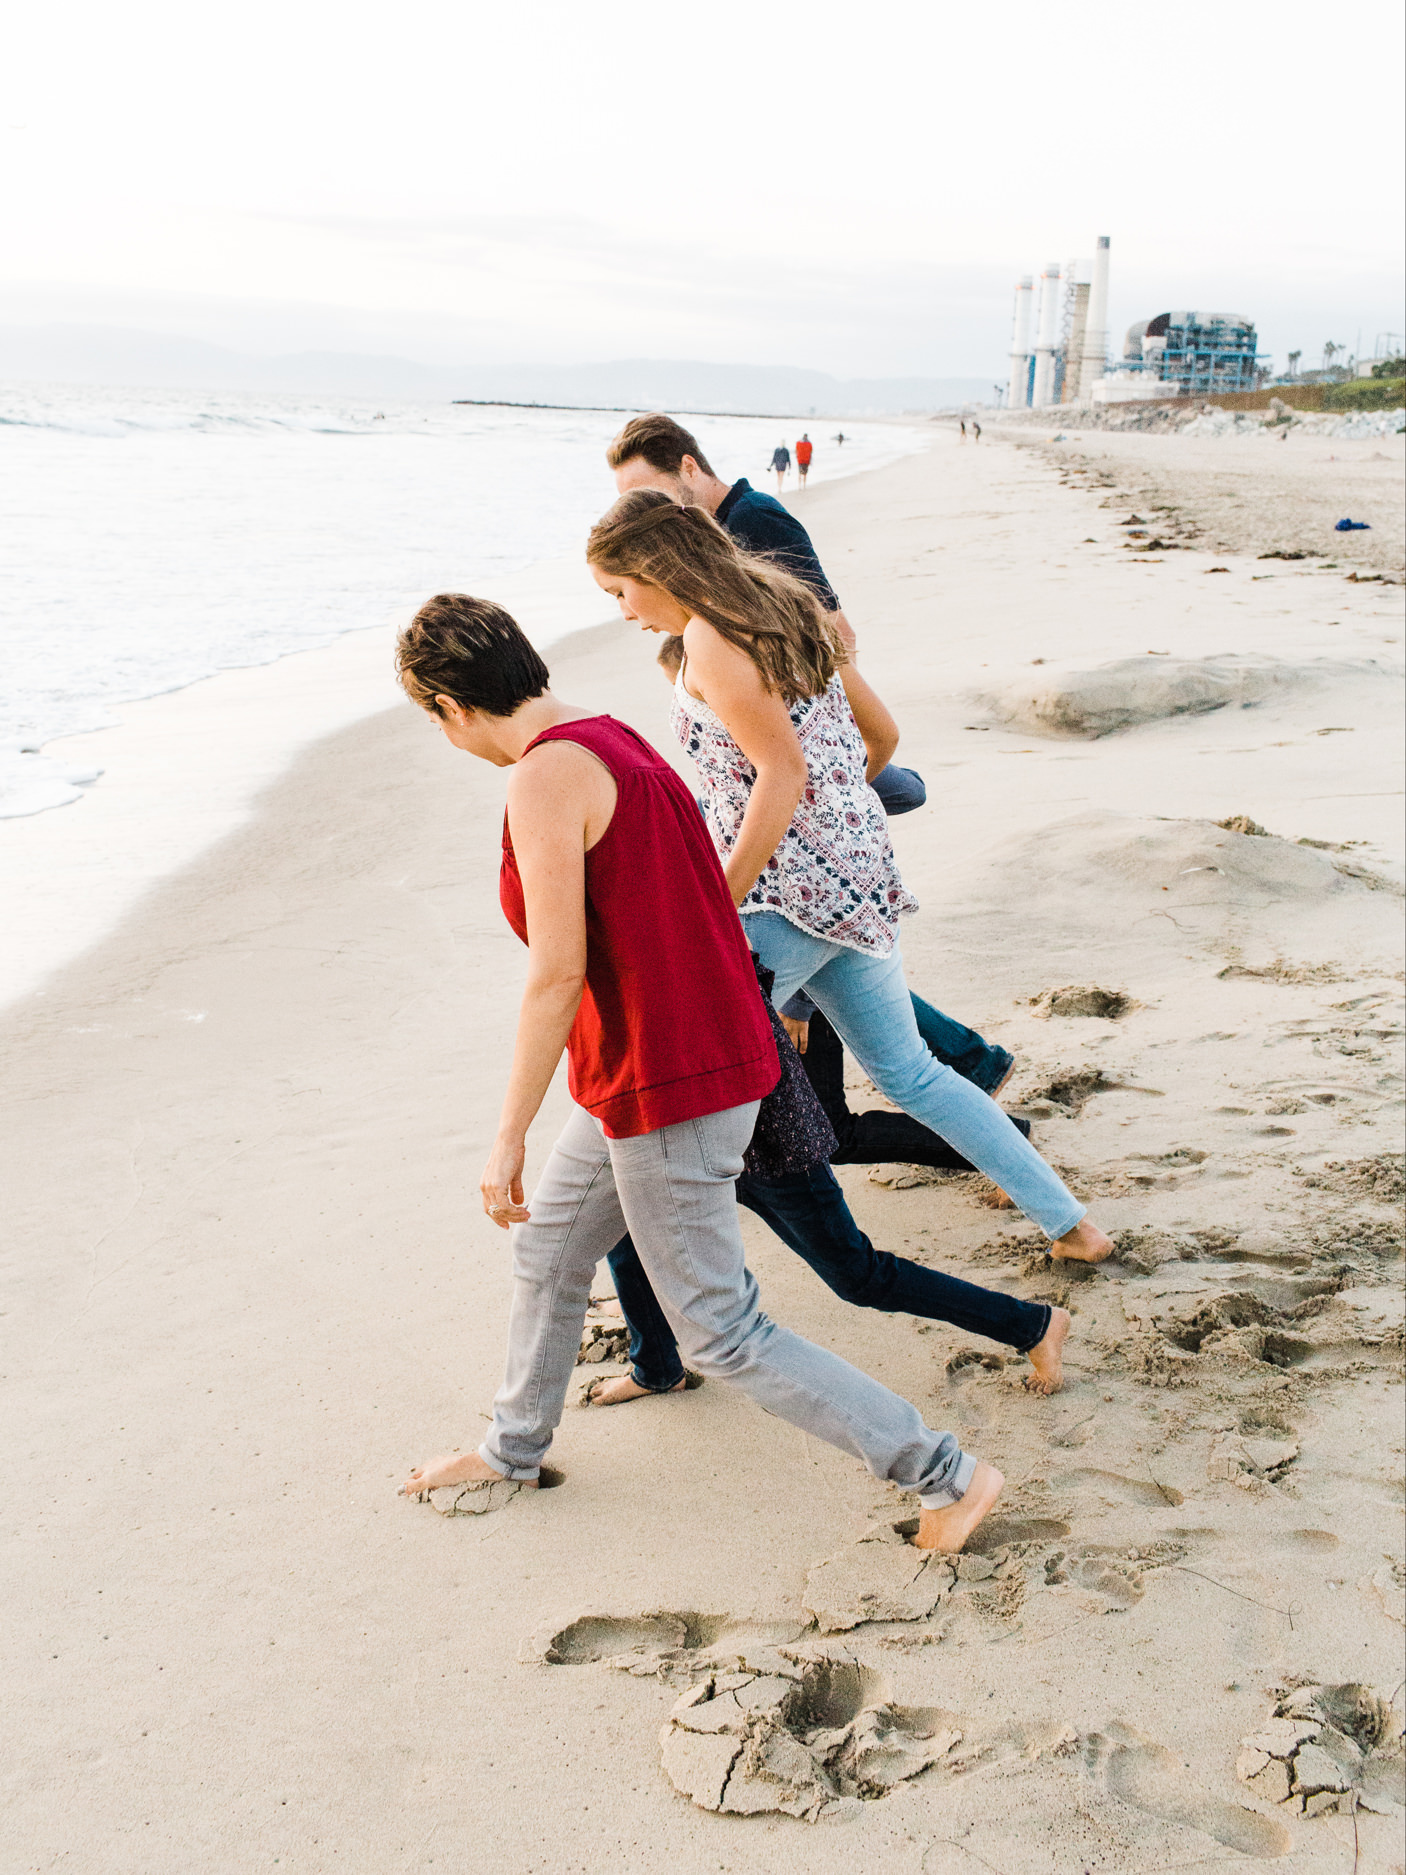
{"x": 1043, "y": 393}
{"x": 1096, "y": 325}
{"x": 1018, "y": 389}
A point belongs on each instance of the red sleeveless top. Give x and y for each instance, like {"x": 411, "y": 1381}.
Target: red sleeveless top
{"x": 672, "y": 1024}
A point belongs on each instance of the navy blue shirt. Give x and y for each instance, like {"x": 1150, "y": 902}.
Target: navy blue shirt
{"x": 761, "y": 525}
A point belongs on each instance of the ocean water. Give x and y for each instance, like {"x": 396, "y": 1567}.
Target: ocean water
{"x": 149, "y": 539}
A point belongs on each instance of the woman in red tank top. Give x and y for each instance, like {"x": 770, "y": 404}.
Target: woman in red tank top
{"x": 639, "y": 969}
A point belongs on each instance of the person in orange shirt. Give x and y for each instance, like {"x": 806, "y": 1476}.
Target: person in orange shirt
{"x": 805, "y": 449}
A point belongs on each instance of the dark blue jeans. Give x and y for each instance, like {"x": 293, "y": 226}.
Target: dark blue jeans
{"x": 808, "y": 1212}
{"x": 900, "y": 789}
{"x": 985, "y": 1064}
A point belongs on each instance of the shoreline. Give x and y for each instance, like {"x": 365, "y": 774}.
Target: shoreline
{"x": 185, "y": 767}
{"x": 242, "y": 1145}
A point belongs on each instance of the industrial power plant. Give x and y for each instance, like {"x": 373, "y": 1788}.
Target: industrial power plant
{"x": 1174, "y": 354}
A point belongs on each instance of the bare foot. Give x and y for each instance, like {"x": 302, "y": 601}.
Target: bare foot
{"x": 997, "y": 1200}
{"x": 949, "y": 1528}
{"x": 456, "y": 1468}
{"x": 1086, "y": 1243}
{"x": 1046, "y": 1357}
{"x": 624, "y": 1387}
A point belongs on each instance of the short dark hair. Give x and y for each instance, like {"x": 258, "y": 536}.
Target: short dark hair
{"x": 470, "y": 650}
{"x": 662, "y": 442}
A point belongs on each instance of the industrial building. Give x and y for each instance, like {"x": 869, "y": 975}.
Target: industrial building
{"x": 1069, "y": 329}
{"x": 1187, "y": 354}
{"x": 1059, "y": 349}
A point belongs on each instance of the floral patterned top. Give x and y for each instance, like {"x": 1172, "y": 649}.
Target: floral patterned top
{"x": 834, "y": 873}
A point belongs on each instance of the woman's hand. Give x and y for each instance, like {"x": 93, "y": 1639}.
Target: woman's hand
{"x": 799, "y": 1033}
{"x": 501, "y": 1183}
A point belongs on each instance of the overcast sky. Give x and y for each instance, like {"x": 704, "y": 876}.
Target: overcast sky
{"x": 847, "y": 187}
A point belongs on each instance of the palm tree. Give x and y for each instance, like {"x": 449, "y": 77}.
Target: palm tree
{"x": 1294, "y": 358}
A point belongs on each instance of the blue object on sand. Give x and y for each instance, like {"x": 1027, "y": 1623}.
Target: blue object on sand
{"x": 1350, "y": 527}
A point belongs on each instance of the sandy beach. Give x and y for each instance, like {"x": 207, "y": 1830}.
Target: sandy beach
{"x": 249, "y": 1282}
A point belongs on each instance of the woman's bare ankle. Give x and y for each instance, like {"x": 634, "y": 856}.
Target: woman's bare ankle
{"x": 949, "y": 1528}
{"x": 1086, "y": 1243}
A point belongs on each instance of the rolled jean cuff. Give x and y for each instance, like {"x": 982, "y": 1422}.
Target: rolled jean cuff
{"x": 1076, "y": 1217}
{"x": 1047, "y": 1313}
{"x": 511, "y": 1474}
{"x": 667, "y": 1386}
{"x": 952, "y": 1493}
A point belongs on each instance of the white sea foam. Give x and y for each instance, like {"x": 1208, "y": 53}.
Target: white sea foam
{"x": 154, "y": 538}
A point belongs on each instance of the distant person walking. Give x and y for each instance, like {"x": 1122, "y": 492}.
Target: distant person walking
{"x": 805, "y": 449}
{"x": 780, "y": 462}
{"x": 840, "y": 438}
{"x": 964, "y": 429}
{"x": 976, "y": 431}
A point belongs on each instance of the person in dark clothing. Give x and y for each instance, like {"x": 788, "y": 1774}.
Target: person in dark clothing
{"x": 808, "y": 1211}
{"x": 781, "y": 463}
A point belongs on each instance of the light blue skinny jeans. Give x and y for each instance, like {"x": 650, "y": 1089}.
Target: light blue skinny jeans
{"x": 868, "y": 1003}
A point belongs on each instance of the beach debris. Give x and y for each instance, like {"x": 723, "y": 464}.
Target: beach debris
{"x": 1327, "y": 1750}
{"x": 814, "y": 1738}
{"x": 882, "y": 1577}
{"x": 1082, "y": 999}
{"x": 1241, "y": 823}
{"x": 1350, "y": 527}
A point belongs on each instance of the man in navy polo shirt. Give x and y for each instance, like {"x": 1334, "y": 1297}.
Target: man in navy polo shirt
{"x": 655, "y": 452}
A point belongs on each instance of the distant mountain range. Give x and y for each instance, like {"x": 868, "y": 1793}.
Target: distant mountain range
{"x": 119, "y": 355}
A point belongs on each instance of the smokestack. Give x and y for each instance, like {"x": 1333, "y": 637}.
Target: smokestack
{"x": 1045, "y": 345}
{"x": 1095, "y": 325}
{"x": 1019, "y": 388}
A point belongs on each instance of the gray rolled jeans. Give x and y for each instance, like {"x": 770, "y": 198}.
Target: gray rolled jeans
{"x": 673, "y": 1191}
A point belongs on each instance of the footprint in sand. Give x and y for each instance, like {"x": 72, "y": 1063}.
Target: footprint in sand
{"x": 1116, "y": 1582}
{"x": 1146, "y": 1775}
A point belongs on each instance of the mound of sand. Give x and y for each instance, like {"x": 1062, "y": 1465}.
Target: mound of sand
{"x": 1119, "y": 890}
{"x": 1107, "y": 697}
{"x": 1150, "y": 861}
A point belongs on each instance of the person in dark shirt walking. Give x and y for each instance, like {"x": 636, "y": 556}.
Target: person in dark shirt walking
{"x": 654, "y": 451}
{"x": 781, "y": 462}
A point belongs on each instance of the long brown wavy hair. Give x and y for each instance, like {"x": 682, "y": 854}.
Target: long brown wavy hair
{"x": 766, "y": 612}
